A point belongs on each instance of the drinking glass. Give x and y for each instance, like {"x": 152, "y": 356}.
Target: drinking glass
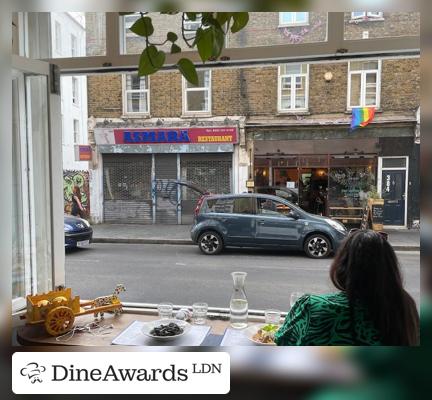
{"x": 294, "y": 297}
{"x": 272, "y": 317}
{"x": 165, "y": 310}
{"x": 199, "y": 313}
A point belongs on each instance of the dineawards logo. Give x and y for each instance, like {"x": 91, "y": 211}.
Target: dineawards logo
{"x": 126, "y": 373}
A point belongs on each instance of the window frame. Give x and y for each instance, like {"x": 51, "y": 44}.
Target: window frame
{"x": 363, "y": 73}
{"x": 185, "y": 91}
{"x": 57, "y": 38}
{"x": 294, "y": 19}
{"x": 125, "y": 91}
{"x": 76, "y": 132}
{"x": 75, "y": 91}
{"x": 74, "y": 49}
{"x": 293, "y": 90}
{"x": 189, "y": 34}
{"x": 367, "y": 16}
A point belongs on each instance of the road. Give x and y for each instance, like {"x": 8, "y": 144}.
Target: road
{"x": 182, "y": 275}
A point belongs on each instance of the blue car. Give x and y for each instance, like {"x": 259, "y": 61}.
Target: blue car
{"x": 261, "y": 220}
{"x": 78, "y": 232}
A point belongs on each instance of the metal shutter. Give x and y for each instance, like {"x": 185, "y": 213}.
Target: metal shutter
{"x": 127, "y": 188}
{"x": 165, "y": 188}
{"x": 211, "y": 171}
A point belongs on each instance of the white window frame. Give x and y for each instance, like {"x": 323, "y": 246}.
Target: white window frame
{"x": 74, "y": 45}
{"x": 58, "y": 38}
{"x": 126, "y": 91}
{"x": 76, "y": 131}
{"x": 363, "y": 74}
{"x": 293, "y": 91}
{"x": 185, "y": 90}
{"x": 75, "y": 91}
{"x": 367, "y": 16}
{"x": 192, "y": 25}
{"x": 294, "y": 20}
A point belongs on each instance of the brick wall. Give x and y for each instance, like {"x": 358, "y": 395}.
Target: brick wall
{"x": 253, "y": 90}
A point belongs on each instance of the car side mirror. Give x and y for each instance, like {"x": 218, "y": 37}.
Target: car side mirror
{"x": 293, "y": 214}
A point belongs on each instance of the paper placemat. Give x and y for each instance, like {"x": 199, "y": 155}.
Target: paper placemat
{"x": 132, "y": 336}
{"x": 235, "y": 337}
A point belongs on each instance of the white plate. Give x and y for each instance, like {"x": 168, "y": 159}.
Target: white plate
{"x": 148, "y": 327}
{"x": 251, "y": 330}
{"x": 83, "y": 243}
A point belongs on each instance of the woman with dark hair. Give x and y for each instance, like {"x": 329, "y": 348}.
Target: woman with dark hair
{"x": 77, "y": 207}
{"x": 371, "y": 307}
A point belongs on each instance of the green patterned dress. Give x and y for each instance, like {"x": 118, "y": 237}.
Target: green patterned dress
{"x": 322, "y": 320}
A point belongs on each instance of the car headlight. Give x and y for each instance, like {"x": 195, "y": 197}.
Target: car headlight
{"x": 86, "y": 223}
{"x": 68, "y": 228}
{"x": 337, "y": 225}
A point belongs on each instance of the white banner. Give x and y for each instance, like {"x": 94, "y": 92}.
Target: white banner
{"x": 121, "y": 373}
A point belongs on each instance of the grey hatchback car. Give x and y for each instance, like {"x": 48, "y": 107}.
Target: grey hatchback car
{"x": 265, "y": 221}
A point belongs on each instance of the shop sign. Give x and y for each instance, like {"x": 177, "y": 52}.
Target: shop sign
{"x": 209, "y": 135}
{"x": 83, "y": 153}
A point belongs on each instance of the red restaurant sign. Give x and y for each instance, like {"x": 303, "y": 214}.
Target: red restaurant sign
{"x": 211, "y": 135}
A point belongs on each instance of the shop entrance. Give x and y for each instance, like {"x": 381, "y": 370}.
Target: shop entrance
{"x": 313, "y": 185}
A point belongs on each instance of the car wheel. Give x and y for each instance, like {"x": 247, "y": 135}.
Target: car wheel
{"x": 317, "y": 246}
{"x": 210, "y": 243}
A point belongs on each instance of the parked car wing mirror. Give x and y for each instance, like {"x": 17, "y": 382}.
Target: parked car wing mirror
{"x": 293, "y": 214}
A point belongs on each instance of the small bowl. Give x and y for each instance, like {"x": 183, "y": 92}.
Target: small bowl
{"x": 251, "y": 330}
{"x": 149, "y": 326}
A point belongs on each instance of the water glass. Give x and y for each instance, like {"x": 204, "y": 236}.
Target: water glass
{"x": 165, "y": 310}
{"x": 294, "y": 297}
{"x": 272, "y": 317}
{"x": 199, "y": 313}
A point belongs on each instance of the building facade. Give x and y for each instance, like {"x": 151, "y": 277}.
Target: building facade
{"x": 278, "y": 126}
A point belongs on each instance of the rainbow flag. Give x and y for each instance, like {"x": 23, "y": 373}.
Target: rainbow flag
{"x": 361, "y": 117}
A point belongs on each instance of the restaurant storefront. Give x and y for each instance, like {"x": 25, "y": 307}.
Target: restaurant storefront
{"x": 140, "y": 169}
{"x": 334, "y": 172}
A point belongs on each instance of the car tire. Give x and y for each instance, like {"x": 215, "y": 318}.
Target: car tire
{"x": 317, "y": 246}
{"x": 210, "y": 243}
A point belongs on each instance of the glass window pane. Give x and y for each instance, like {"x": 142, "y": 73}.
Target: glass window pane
{"x": 203, "y": 79}
{"x": 243, "y": 205}
{"x": 355, "y": 90}
{"x": 136, "y": 102}
{"x": 286, "y": 17}
{"x": 291, "y": 69}
{"x": 134, "y": 82}
{"x": 394, "y": 162}
{"x": 302, "y": 17}
{"x": 371, "y": 89}
{"x": 358, "y": 14}
{"x": 197, "y": 100}
{"x": 300, "y": 101}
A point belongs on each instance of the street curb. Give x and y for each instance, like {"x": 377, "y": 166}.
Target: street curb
{"x": 189, "y": 242}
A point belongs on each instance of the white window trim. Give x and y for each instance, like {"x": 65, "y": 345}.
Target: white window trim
{"x": 75, "y": 99}
{"x": 74, "y": 50}
{"x": 74, "y": 131}
{"x": 363, "y": 86}
{"x": 125, "y": 91}
{"x": 57, "y": 40}
{"x": 294, "y": 23}
{"x": 189, "y": 24}
{"x": 185, "y": 89}
{"x": 367, "y": 16}
{"x": 293, "y": 92}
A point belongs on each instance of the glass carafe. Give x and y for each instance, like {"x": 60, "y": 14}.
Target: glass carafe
{"x": 239, "y": 303}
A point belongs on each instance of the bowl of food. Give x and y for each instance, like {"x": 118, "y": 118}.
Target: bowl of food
{"x": 262, "y": 334}
{"x": 165, "y": 329}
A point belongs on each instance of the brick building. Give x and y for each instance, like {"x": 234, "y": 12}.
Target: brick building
{"x": 284, "y": 126}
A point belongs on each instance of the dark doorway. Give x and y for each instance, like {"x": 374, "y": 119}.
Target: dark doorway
{"x": 393, "y": 191}
{"x": 313, "y": 185}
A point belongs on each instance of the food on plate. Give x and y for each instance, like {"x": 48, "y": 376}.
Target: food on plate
{"x": 266, "y": 334}
{"x": 171, "y": 329}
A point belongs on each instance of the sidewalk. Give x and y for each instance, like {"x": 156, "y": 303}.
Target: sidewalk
{"x": 404, "y": 239}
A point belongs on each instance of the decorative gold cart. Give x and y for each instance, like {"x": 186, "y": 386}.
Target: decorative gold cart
{"x": 57, "y": 309}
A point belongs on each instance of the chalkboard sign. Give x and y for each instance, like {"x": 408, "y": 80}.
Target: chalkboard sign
{"x": 364, "y": 224}
{"x": 377, "y": 213}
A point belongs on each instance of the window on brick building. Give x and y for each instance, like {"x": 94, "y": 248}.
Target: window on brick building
{"x": 293, "y": 87}
{"x": 58, "y": 43}
{"x": 190, "y": 27}
{"x": 198, "y": 98}
{"x": 75, "y": 91}
{"x": 74, "y": 46}
{"x": 366, "y": 15}
{"x": 293, "y": 18}
{"x": 364, "y": 83}
{"x": 135, "y": 94}
{"x": 76, "y": 131}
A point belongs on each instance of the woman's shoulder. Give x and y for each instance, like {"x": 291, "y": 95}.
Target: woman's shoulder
{"x": 327, "y": 301}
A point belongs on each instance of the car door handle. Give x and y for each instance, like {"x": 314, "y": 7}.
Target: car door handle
{"x": 261, "y": 221}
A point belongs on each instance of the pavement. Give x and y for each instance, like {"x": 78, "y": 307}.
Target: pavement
{"x": 401, "y": 239}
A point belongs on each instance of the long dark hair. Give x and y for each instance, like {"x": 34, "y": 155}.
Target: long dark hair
{"x": 367, "y": 270}
{"x": 77, "y": 192}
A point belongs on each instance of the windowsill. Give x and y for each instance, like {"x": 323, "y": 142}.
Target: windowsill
{"x": 196, "y": 115}
{"x": 293, "y": 112}
{"x": 362, "y": 20}
{"x": 136, "y": 116}
{"x": 293, "y": 25}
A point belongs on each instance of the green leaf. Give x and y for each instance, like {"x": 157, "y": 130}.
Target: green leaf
{"x": 240, "y": 21}
{"x": 171, "y": 37}
{"x": 143, "y": 27}
{"x": 151, "y": 61}
{"x": 187, "y": 69}
{"x": 175, "y": 49}
{"x": 223, "y": 17}
{"x": 192, "y": 15}
{"x": 210, "y": 41}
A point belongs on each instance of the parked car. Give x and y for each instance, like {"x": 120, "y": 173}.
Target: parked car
{"x": 260, "y": 220}
{"x": 78, "y": 232}
{"x": 286, "y": 193}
